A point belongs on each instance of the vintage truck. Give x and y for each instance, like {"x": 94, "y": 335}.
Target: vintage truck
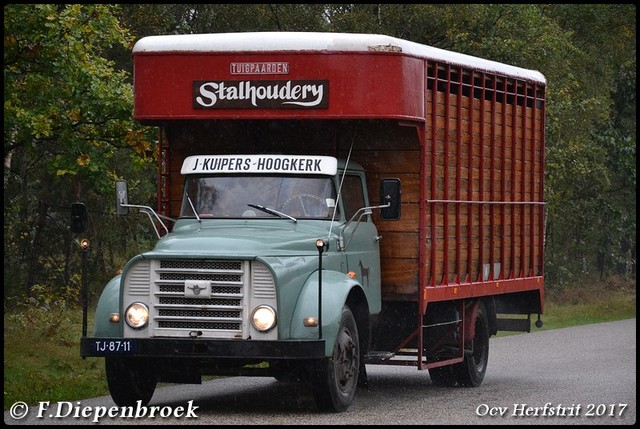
{"x": 327, "y": 201}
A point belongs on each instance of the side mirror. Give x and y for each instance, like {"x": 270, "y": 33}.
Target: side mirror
{"x": 78, "y": 218}
{"x": 122, "y": 198}
{"x": 390, "y": 194}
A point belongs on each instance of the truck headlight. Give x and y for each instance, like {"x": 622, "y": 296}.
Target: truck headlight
{"x": 137, "y": 315}
{"x": 263, "y": 318}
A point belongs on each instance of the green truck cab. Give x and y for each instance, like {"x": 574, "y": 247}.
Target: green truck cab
{"x": 236, "y": 286}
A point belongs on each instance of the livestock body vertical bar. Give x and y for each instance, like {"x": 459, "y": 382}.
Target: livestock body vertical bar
{"x": 433, "y": 178}
{"x": 482, "y": 143}
{"x": 445, "y": 182}
{"x": 422, "y": 257}
{"x": 492, "y": 179}
{"x": 470, "y": 208}
{"x": 532, "y": 185}
{"x": 445, "y": 179}
{"x": 503, "y": 184}
{"x": 523, "y": 178}
{"x": 514, "y": 184}
{"x": 458, "y": 269}
{"x": 541, "y": 162}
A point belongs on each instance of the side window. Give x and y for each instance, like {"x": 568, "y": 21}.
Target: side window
{"x": 352, "y": 195}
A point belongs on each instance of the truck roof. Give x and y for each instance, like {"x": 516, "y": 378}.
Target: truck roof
{"x": 322, "y": 42}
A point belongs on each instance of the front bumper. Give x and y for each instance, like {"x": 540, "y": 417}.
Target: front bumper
{"x": 203, "y": 348}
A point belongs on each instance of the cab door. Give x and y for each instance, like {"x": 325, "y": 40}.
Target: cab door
{"x": 361, "y": 239}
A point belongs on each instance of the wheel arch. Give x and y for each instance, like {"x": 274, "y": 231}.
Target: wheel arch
{"x": 471, "y": 312}
{"x": 338, "y": 290}
{"x": 357, "y": 302}
{"x": 108, "y": 304}
{"x": 490, "y": 306}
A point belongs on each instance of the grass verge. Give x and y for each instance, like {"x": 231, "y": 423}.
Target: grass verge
{"x": 594, "y": 303}
{"x": 42, "y": 360}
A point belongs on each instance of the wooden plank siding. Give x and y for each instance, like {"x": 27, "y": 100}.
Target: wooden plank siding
{"x": 484, "y": 180}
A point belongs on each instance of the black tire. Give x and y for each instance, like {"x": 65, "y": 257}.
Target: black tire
{"x": 471, "y": 372}
{"x": 443, "y": 376}
{"x": 336, "y": 381}
{"x": 130, "y": 381}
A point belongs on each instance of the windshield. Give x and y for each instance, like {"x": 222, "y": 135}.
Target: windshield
{"x": 311, "y": 197}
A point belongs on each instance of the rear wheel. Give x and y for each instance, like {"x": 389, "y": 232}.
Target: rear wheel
{"x": 130, "y": 381}
{"x": 336, "y": 381}
{"x": 471, "y": 372}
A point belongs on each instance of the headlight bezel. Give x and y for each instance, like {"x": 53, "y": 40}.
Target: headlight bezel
{"x": 264, "y": 318}
{"x": 141, "y": 308}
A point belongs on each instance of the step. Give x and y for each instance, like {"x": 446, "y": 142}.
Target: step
{"x": 377, "y": 356}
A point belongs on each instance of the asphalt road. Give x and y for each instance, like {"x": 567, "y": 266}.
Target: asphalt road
{"x": 584, "y": 375}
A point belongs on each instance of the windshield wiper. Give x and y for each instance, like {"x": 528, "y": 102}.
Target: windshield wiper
{"x": 193, "y": 208}
{"x": 272, "y": 211}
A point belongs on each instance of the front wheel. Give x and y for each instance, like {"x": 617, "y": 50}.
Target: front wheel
{"x": 130, "y": 381}
{"x": 337, "y": 379}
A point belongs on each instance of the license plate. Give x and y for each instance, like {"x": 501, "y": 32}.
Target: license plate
{"x": 111, "y": 347}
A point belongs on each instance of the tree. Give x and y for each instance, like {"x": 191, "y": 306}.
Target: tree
{"x": 591, "y": 182}
{"x": 68, "y": 127}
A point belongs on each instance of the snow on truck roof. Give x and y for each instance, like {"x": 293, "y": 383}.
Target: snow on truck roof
{"x": 318, "y": 41}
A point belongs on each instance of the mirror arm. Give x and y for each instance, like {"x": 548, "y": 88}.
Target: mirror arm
{"x": 364, "y": 211}
{"x": 148, "y": 211}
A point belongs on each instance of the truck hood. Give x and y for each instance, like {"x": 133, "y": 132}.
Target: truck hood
{"x": 276, "y": 237}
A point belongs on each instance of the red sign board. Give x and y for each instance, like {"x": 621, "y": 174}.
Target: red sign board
{"x": 201, "y": 85}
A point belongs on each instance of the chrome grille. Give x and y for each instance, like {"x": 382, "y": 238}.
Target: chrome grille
{"x": 192, "y": 265}
{"x": 196, "y": 313}
{"x": 198, "y": 276}
{"x": 188, "y": 301}
{"x": 211, "y": 297}
{"x": 198, "y": 325}
{"x": 218, "y": 314}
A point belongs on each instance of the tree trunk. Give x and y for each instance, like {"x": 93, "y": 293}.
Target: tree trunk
{"x": 34, "y": 251}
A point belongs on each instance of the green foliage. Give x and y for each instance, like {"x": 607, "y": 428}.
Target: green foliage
{"x": 68, "y": 135}
{"x": 591, "y": 145}
{"x": 223, "y": 18}
{"x": 45, "y": 312}
{"x": 64, "y": 99}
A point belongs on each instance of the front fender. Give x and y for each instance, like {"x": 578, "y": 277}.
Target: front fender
{"x": 336, "y": 287}
{"x": 108, "y": 303}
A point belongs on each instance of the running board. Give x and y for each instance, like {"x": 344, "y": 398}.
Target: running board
{"x": 376, "y": 357}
